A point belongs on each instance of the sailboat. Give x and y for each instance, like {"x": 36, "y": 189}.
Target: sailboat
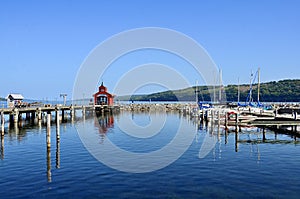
{"x": 251, "y": 107}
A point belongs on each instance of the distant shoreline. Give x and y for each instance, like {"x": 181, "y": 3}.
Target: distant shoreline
{"x": 282, "y": 91}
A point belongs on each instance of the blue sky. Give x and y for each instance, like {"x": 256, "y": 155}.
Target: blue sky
{"x": 43, "y": 43}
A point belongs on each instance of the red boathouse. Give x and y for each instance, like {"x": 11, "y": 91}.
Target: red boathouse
{"x": 102, "y": 97}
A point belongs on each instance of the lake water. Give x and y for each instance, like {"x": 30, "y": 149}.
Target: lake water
{"x": 212, "y": 165}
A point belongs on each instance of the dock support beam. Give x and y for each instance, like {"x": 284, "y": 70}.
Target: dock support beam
{"x": 2, "y": 123}
{"x": 202, "y": 115}
{"x": 57, "y": 139}
{"x": 28, "y": 116}
{"x": 16, "y": 115}
{"x": 57, "y": 125}
{"x": 226, "y": 121}
{"x": 83, "y": 110}
{"x": 72, "y": 112}
{"x": 236, "y": 122}
{"x": 62, "y": 115}
{"x": 39, "y": 113}
{"x": 219, "y": 119}
{"x": 48, "y": 139}
{"x": 212, "y": 117}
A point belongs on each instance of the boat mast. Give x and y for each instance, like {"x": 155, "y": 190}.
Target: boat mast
{"x": 238, "y": 90}
{"x": 196, "y": 92}
{"x": 250, "y": 92}
{"x": 214, "y": 88}
{"x": 220, "y": 85}
{"x": 258, "y": 85}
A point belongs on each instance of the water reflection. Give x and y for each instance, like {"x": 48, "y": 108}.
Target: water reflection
{"x": 215, "y": 133}
{"x": 248, "y": 135}
{"x": 57, "y": 146}
{"x": 103, "y": 123}
{"x": 2, "y": 148}
{"x": 57, "y": 152}
{"x": 49, "y": 164}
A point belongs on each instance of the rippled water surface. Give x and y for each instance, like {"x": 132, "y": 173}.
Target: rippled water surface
{"x": 249, "y": 164}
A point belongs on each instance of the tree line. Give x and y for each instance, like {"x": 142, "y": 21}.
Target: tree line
{"x": 274, "y": 91}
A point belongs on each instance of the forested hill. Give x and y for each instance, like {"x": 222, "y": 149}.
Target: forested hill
{"x": 280, "y": 91}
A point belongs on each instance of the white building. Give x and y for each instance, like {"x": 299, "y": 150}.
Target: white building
{"x": 14, "y": 100}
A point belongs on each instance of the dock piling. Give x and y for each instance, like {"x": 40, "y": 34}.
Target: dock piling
{"x": 2, "y": 123}
{"x": 48, "y": 139}
{"x": 236, "y": 122}
{"x": 39, "y": 113}
{"x": 57, "y": 125}
{"x": 219, "y": 118}
{"x": 16, "y": 115}
{"x": 83, "y": 110}
{"x": 226, "y": 121}
{"x": 62, "y": 115}
{"x": 72, "y": 112}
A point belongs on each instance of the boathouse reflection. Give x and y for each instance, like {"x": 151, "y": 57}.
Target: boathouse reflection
{"x": 103, "y": 123}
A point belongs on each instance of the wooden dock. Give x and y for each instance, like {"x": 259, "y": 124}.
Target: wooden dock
{"x": 38, "y": 113}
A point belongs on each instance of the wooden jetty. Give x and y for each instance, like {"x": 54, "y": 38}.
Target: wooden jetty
{"x": 38, "y": 113}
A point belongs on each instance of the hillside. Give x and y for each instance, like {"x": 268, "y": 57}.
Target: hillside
{"x": 280, "y": 91}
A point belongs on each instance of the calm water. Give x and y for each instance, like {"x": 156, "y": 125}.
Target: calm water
{"x": 251, "y": 168}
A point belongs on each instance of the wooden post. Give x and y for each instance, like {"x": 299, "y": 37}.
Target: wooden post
{"x": 32, "y": 116}
{"x": 16, "y": 115}
{"x": 236, "y": 122}
{"x": 11, "y": 118}
{"x": 39, "y": 113}
{"x": 57, "y": 125}
{"x": 212, "y": 116}
{"x": 48, "y": 135}
{"x": 62, "y": 115}
{"x": 40, "y": 125}
{"x": 28, "y": 116}
{"x": 72, "y": 112}
{"x": 226, "y": 121}
{"x": 219, "y": 118}
{"x": 2, "y": 123}
{"x": 83, "y": 111}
